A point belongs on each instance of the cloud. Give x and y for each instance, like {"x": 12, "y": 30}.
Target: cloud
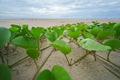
{"x": 52, "y": 10}
{"x": 59, "y": 8}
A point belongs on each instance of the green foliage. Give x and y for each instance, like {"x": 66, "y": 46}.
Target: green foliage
{"x": 88, "y": 35}
{"x": 51, "y": 36}
{"x": 45, "y": 75}
{"x": 60, "y": 73}
{"x": 95, "y": 31}
{"x": 58, "y": 30}
{"x": 92, "y": 45}
{"x": 33, "y": 53}
{"x": 108, "y": 25}
{"x": 95, "y": 24}
{"x": 73, "y": 32}
{"x": 37, "y": 32}
{"x": 114, "y": 44}
{"x": 15, "y": 28}
{"x": 57, "y": 73}
{"x": 4, "y": 36}
{"x": 5, "y": 73}
{"x": 81, "y": 26}
{"x": 15, "y": 31}
{"x": 91, "y": 35}
{"x": 25, "y": 42}
{"x": 25, "y": 31}
{"x": 117, "y": 29}
{"x": 61, "y": 45}
{"x": 104, "y": 34}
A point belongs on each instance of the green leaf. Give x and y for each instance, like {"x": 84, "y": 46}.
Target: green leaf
{"x": 25, "y": 42}
{"x": 91, "y": 45}
{"x": 104, "y": 34}
{"x": 58, "y": 30}
{"x": 37, "y": 32}
{"x": 114, "y": 44}
{"x": 33, "y": 53}
{"x": 88, "y": 35}
{"x": 5, "y": 35}
{"x": 73, "y": 32}
{"x": 60, "y": 73}
{"x": 15, "y": 28}
{"x": 108, "y": 25}
{"x": 51, "y": 36}
{"x": 5, "y": 73}
{"x": 117, "y": 25}
{"x": 81, "y": 26}
{"x": 44, "y": 75}
{"x": 61, "y": 45}
{"x": 117, "y": 28}
{"x": 95, "y": 31}
{"x": 15, "y": 31}
{"x": 25, "y": 30}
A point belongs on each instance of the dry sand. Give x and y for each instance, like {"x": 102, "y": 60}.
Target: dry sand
{"x": 51, "y": 22}
{"x": 87, "y": 69}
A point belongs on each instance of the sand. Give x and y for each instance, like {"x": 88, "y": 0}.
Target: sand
{"x": 86, "y": 69}
{"x": 51, "y": 22}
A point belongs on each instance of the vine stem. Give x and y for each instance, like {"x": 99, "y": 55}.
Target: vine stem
{"x": 42, "y": 64}
{"x": 25, "y": 58}
{"x": 67, "y": 60}
{"x": 108, "y": 55}
{"x": 38, "y": 45}
{"x": 35, "y": 63}
{"x": 94, "y": 54}
{"x": 14, "y": 49}
{"x": 2, "y": 58}
{"x": 7, "y": 48}
{"x": 79, "y": 59}
{"x": 18, "y": 61}
{"x": 45, "y": 48}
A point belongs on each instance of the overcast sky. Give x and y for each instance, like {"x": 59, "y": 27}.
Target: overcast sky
{"x": 59, "y": 8}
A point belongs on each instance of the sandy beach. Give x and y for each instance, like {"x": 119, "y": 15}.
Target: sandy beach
{"x": 86, "y": 69}
{"x": 52, "y": 22}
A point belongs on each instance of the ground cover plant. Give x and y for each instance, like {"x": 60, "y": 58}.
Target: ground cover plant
{"x": 90, "y": 37}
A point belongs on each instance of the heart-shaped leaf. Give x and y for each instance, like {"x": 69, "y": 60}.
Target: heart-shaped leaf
{"x": 44, "y": 75}
{"x": 25, "y": 42}
{"x": 33, "y": 53}
{"x": 5, "y": 35}
{"x": 95, "y": 31}
{"x": 81, "y": 26}
{"x": 88, "y": 35}
{"x": 51, "y": 36}
{"x": 114, "y": 44}
{"x": 58, "y": 30}
{"x": 5, "y": 73}
{"x": 37, "y": 32}
{"x": 73, "y": 32}
{"x": 117, "y": 29}
{"x": 15, "y": 28}
{"x": 25, "y": 30}
{"x": 60, "y": 73}
{"x": 104, "y": 34}
{"x": 61, "y": 45}
{"x": 93, "y": 45}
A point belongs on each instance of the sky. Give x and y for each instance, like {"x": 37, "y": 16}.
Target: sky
{"x": 59, "y": 9}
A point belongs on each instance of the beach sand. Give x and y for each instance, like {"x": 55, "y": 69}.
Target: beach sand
{"x": 86, "y": 69}
{"x": 51, "y": 22}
